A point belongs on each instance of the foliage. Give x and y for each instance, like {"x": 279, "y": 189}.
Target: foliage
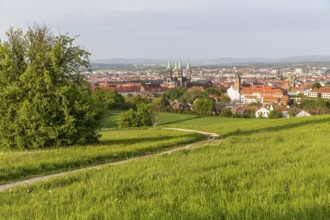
{"x": 111, "y": 99}
{"x": 160, "y": 103}
{"x": 316, "y": 85}
{"x": 143, "y": 116}
{"x": 225, "y": 98}
{"x": 193, "y": 94}
{"x": 134, "y": 101}
{"x": 174, "y": 94}
{"x": 226, "y": 112}
{"x": 211, "y": 90}
{"x": 249, "y": 113}
{"x": 45, "y": 101}
{"x": 291, "y": 114}
{"x": 275, "y": 114}
{"x": 204, "y": 106}
{"x": 315, "y": 106}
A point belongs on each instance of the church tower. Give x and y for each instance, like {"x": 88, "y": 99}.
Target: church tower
{"x": 188, "y": 72}
{"x": 291, "y": 82}
{"x": 169, "y": 71}
{"x": 175, "y": 70}
{"x": 237, "y": 82}
{"x": 174, "y": 76}
{"x": 180, "y": 75}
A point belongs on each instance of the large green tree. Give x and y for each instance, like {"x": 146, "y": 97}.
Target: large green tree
{"x": 44, "y": 99}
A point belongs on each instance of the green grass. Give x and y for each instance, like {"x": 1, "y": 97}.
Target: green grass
{"x": 268, "y": 169}
{"x": 227, "y": 127}
{"x": 113, "y": 146}
{"x": 111, "y": 118}
{"x": 164, "y": 118}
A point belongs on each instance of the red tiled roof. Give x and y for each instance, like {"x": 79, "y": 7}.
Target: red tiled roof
{"x": 322, "y": 90}
{"x": 270, "y": 99}
{"x": 284, "y": 98}
{"x": 127, "y": 89}
{"x": 269, "y": 90}
{"x": 295, "y": 89}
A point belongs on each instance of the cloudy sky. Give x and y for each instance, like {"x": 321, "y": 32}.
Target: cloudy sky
{"x": 186, "y": 28}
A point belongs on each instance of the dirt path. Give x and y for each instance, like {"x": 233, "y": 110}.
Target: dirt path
{"x": 211, "y": 137}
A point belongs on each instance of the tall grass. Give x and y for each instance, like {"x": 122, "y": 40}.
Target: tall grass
{"x": 277, "y": 172}
{"x": 113, "y": 146}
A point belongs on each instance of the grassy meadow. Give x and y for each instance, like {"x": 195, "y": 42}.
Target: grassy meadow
{"x": 113, "y": 146}
{"x": 111, "y": 118}
{"x": 162, "y": 118}
{"x": 260, "y": 169}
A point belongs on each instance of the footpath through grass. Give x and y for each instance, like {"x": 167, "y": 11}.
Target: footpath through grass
{"x": 113, "y": 146}
{"x": 269, "y": 169}
{"x": 228, "y": 127}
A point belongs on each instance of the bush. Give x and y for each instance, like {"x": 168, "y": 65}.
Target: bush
{"x": 275, "y": 114}
{"x": 44, "y": 98}
{"x": 226, "y": 113}
{"x": 143, "y": 116}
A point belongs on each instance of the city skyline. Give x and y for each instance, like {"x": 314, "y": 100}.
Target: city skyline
{"x": 196, "y": 29}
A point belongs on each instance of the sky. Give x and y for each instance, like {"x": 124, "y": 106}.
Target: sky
{"x": 199, "y": 29}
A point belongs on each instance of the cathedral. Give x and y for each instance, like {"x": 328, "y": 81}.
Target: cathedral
{"x": 177, "y": 77}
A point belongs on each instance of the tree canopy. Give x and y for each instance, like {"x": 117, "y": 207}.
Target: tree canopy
{"x": 44, "y": 99}
{"x": 316, "y": 85}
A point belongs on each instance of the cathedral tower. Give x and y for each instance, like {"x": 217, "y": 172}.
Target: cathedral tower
{"x": 237, "y": 82}
{"x": 180, "y": 75}
{"x": 169, "y": 71}
{"x": 188, "y": 72}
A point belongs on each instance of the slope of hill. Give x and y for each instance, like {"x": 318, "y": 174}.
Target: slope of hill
{"x": 261, "y": 169}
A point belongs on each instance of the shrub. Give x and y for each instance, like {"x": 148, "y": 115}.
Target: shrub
{"x": 44, "y": 98}
{"x": 226, "y": 113}
{"x": 143, "y": 116}
{"x": 275, "y": 114}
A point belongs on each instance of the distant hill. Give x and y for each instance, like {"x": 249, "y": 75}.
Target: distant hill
{"x": 221, "y": 61}
{"x": 136, "y": 61}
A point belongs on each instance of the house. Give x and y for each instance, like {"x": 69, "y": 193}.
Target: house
{"x": 284, "y": 100}
{"x": 262, "y": 113}
{"x": 270, "y": 99}
{"x": 177, "y": 105}
{"x": 263, "y": 94}
{"x": 247, "y": 99}
{"x": 323, "y": 93}
{"x": 303, "y": 113}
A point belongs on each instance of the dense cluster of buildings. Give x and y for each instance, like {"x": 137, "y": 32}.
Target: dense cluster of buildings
{"x": 272, "y": 88}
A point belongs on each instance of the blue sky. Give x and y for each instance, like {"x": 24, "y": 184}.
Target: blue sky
{"x": 186, "y": 28}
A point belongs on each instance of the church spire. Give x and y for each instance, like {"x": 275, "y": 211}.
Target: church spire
{"x": 188, "y": 65}
{"x": 169, "y": 64}
{"x": 175, "y": 66}
{"x": 179, "y": 67}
